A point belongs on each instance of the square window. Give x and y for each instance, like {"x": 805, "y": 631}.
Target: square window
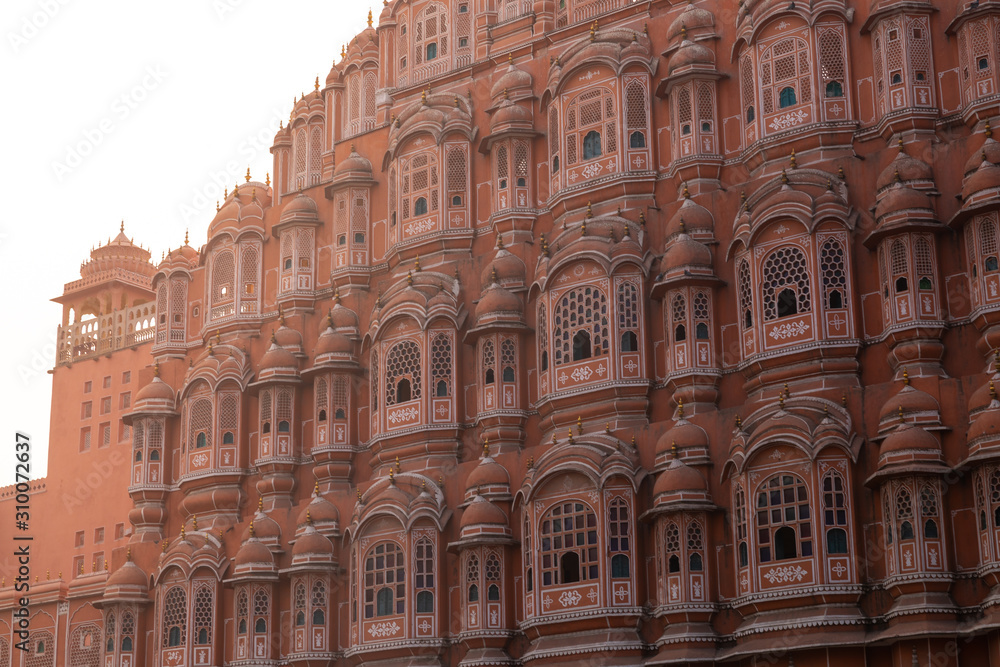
{"x": 98, "y": 535}
{"x": 85, "y": 439}
{"x": 126, "y": 377}
{"x": 124, "y": 431}
{"x": 119, "y": 531}
{"x": 98, "y": 562}
{"x": 86, "y": 409}
{"x": 124, "y": 400}
{"x": 105, "y": 433}
{"x": 107, "y": 382}
{"x": 78, "y": 566}
{"x": 88, "y": 387}
{"x": 105, "y": 405}
{"x": 78, "y": 539}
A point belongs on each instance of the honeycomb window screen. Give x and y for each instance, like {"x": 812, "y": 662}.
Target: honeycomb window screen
{"x": 109, "y": 632}
{"x": 242, "y": 611}
{"x": 223, "y": 274}
{"x": 128, "y": 631}
{"x": 635, "y": 106}
{"x": 402, "y": 363}
{"x": 318, "y": 598}
{"x": 420, "y": 180}
{"x": 200, "y": 424}
{"x": 503, "y": 165}
{"x": 785, "y": 67}
{"x": 785, "y": 270}
{"x": 508, "y": 360}
{"x": 492, "y": 570}
{"x": 384, "y": 581}
{"x": 832, "y": 61}
{"x": 581, "y": 313}
{"x": 904, "y": 514}
{"x": 678, "y": 316}
{"x": 472, "y": 577}
{"x": 370, "y": 86}
{"x": 340, "y": 397}
{"x": 520, "y": 163}
{"x": 740, "y": 514}
{"x": 442, "y": 354}
{"x": 174, "y": 617}
{"x": 706, "y": 106}
{"x": 300, "y": 158}
{"x": 568, "y": 544}
{"x": 595, "y": 111}
{"x": 695, "y": 547}
{"x": 299, "y": 604}
{"x": 41, "y": 649}
{"x": 489, "y": 361}
{"x": 457, "y": 169}
{"x": 249, "y": 270}
{"x": 672, "y": 547}
{"x": 833, "y": 271}
{"x": 204, "y": 611}
{"x": 261, "y": 611}
{"x": 321, "y": 399}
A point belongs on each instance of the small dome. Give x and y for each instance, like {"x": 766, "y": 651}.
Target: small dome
{"x": 301, "y": 204}
{"x": 901, "y": 198}
{"x": 287, "y": 337}
{"x": 312, "y": 543}
{"x": 906, "y": 436}
{"x": 499, "y": 300}
{"x": 679, "y": 476}
{"x": 989, "y": 152}
{"x": 157, "y": 390}
{"x": 906, "y": 169}
{"x": 128, "y": 574}
{"x": 684, "y": 435}
{"x": 264, "y": 528}
{"x": 694, "y": 216}
{"x": 342, "y": 317}
{"x": 510, "y": 113}
{"x": 319, "y": 510}
{"x": 354, "y": 164}
{"x": 685, "y": 251}
{"x": 691, "y": 54}
{"x": 513, "y": 79}
{"x": 983, "y": 396}
{"x": 908, "y": 399}
{"x": 277, "y": 357}
{"x": 333, "y": 76}
{"x": 691, "y": 19}
{"x": 488, "y": 473}
{"x": 987, "y": 177}
{"x": 331, "y": 342}
{"x": 505, "y": 269}
{"x": 986, "y": 424}
{"x": 254, "y": 551}
{"x": 481, "y": 511}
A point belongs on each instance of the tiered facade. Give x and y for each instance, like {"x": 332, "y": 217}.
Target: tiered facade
{"x": 641, "y": 333}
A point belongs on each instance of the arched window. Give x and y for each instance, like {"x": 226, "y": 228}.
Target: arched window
{"x": 174, "y": 617}
{"x": 223, "y": 279}
{"x": 590, "y": 125}
{"x": 402, "y": 370}
{"x": 785, "y": 283}
{"x": 423, "y": 574}
{"x": 204, "y": 614}
{"x": 420, "y": 186}
{"x": 242, "y": 609}
{"x": 679, "y": 318}
{"x": 904, "y": 514}
{"x": 695, "y": 547}
{"x": 923, "y": 263}
{"x": 740, "y": 513}
{"x": 672, "y": 547}
{"x": 420, "y": 206}
{"x": 627, "y": 307}
{"x": 492, "y": 575}
{"x": 783, "y": 519}
{"x": 701, "y": 315}
{"x": 835, "y": 513}
{"x": 319, "y": 603}
{"x": 138, "y": 455}
{"x": 899, "y": 265}
{"x": 200, "y": 422}
{"x": 833, "y": 271}
{"x": 580, "y": 310}
{"x": 385, "y": 580}
{"x": 489, "y": 362}
{"x": 629, "y": 342}
{"x": 834, "y": 89}
{"x": 785, "y": 75}
{"x": 988, "y": 245}
{"x": 637, "y": 140}
{"x": 260, "y": 626}
{"x": 569, "y": 544}
{"x": 442, "y": 355}
{"x": 472, "y": 577}
{"x": 619, "y": 538}
{"x": 929, "y": 512}
{"x": 746, "y": 294}
{"x": 425, "y": 602}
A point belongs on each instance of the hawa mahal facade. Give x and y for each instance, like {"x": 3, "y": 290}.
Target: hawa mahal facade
{"x": 635, "y": 333}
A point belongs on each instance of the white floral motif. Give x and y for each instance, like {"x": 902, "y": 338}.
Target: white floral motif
{"x": 420, "y": 226}
{"x": 788, "y": 120}
{"x": 403, "y": 415}
{"x": 592, "y": 170}
{"x": 789, "y": 330}
{"x": 387, "y": 629}
{"x": 570, "y": 598}
{"x": 786, "y": 575}
{"x": 581, "y": 374}
{"x": 200, "y": 459}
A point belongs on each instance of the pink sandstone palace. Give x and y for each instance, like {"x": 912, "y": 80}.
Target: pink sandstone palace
{"x": 631, "y": 333}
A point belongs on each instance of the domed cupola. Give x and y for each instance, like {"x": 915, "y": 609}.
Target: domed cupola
{"x": 355, "y": 168}
{"x": 129, "y": 583}
{"x": 333, "y": 349}
{"x": 320, "y": 513}
{"x": 919, "y": 408}
{"x": 301, "y": 208}
{"x": 692, "y": 218}
{"x": 254, "y": 559}
{"x": 343, "y": 319}
{"x": 511, "y": 117}
{"x": 118, "y": 253}
{"x": 693, "y": 23}
{"x": 287, "y": 338}
{"x": 691, "y": 58}
{"x": 681, "y": 486}
{"x": 684, "y": 439}
{"x": 910, "y": 448}
{"x": 333, "y": 76}
{"x": 505, "y": 269}
{"x": 513, "y": 84}
{"x": 157, "y": 396}
{"x": 489, "y": 479}
{"x": 243, "y": 208}
{"x": 498, "y": 305}
{"x": 264, "y": 528}
{"x": 910, "y": 171}
{"x": 483, "y": 520}
{"x": 277, "y": 364}
{"x": 311, "y": 548}
{"x": 984, "y": 432}
{"x": 982, "y": 185}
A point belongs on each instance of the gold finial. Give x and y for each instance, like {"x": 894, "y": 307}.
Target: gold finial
{"x": 369, "y": 18}
{"x": 993, "y": 390}
{"x": 593, "y": 31}
{"x": 121, "y": 228}
{"x": 791, "y": 161}
{"x": 359, "y": 495}
{"x": 895, "y": 176}
{"x": 273, "y": 338}
{"x": 583, "y": 227}
{"x": 901, "y": 414}
{"x": 248, "y": 175}
{"x": 105, "y": 568}
{"x": 899, "y": 143}
{"x": 788, "y": 393}
{"x": 531, "y": 462}
{"x": 569, "y": 432}
{"x": 642, "y": 218}
{"x": 510, "y": 58}
{"x": 423, "y": 97}
{"x": 260, "y": 503}
{"x": 673, "y": 449}
{"x": 221, "y": 534}
{"x": 156, "y": 370}
{"x": 989, "y": 130}
{"x": 251, "y": 528}
{"x": 316, "y": 85}
{"x": 236, "y": 191}
{"x": 840, "y": 173}
{"x": 267, "y": 179}
{"x": 456, "y": 102}
{"x": 194, "y": 523}
{"x": 739, "y": 422}
{"x": 409, "y": 277}
{"x": 416, "y": 263}
{"x": 309, "y": 518}
{"x": 225, "y": 193}
{"x": 843, "y": 399}
{"x": 47, "y": 577}
{"x": 633, "y": 439}
{"x": 183, "y": 534}
{"x": 554, "y": 441}
{"x": 680, "y": 409}
{"x": 128, "y": 557}
{"x": 398, "y": 467}
{"x": 607, "y": 427}
{"x": 579, "y": 424}
{"x": 784, "y": 177}
{"x": 590, "y": 211}
{"x": 499, "y": 242}
{"x": 906, "y": 378}
{"x": 781, "y": 401}
{"x": 216, "y": 205}
{"x": 186, "y": 234}
{"x": 316, "y": 488}
{"x": 684, "y": 31}
{"x": 441, "y": 481}
{"x": 683, "y": 226}
{"x": 686, "y": 193}
{"x": 392, "y": 477}
{"x": 829, "y": 185}
{"x": 343, "y": 50}
{"x": 486, "y": 447}
{"x": 60, "y": 576}
{"x": 506, "y": 95}
{"x": 163, "y": 543}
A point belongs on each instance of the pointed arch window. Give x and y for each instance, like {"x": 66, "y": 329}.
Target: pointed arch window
{"x": 175, "y": 617}
{"x": 786, "y": 283}
{"x": 619, "y": 538}
{"x": 569, "y": 549}
{"x": 580, "y": 325}
{"x": 402, "y": 370}
{"x": 384, "y": 580}
{"x": 783, "y": 519}
{"x": 590, "y": 126}
{"x": 423, "y": 575}
{"x": 835, "y": 513}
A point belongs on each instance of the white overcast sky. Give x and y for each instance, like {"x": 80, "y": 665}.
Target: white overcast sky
{"x": 121, "y": 110}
